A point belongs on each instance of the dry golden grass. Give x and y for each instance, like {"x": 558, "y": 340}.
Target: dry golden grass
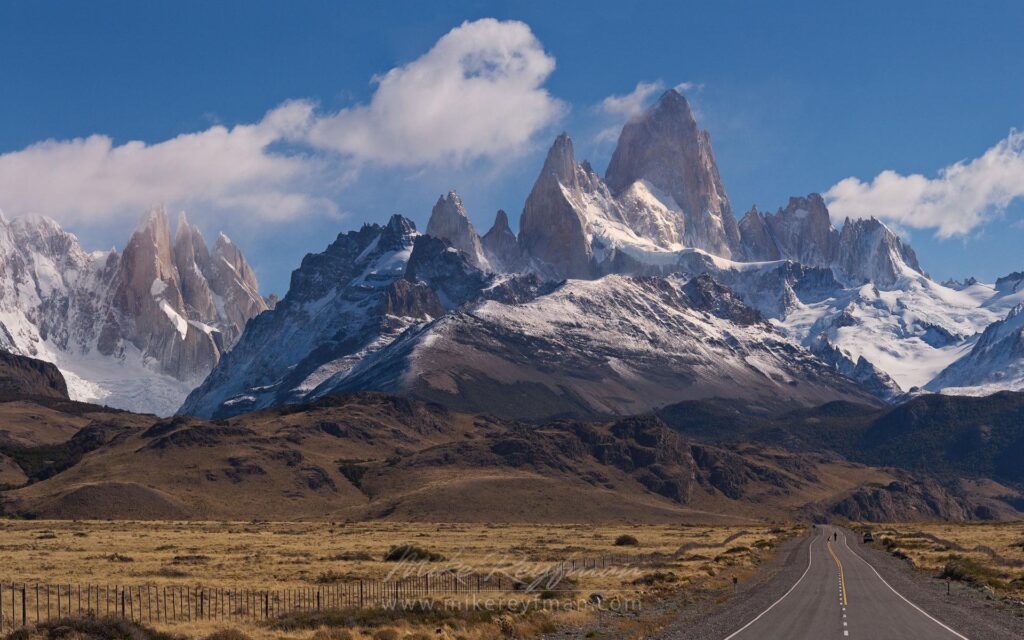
{"x": 984, "y": 554}
{"x": 279, "y": 555}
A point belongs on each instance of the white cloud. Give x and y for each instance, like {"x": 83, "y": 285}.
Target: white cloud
{"x": 620, "y": 108}
{"x": 628, "y": 105}
{"x": 477, "y": 93}
{"x": 964, "y": 196}
{"x": 220, "y": 168}
{"x": 688, "y": 87}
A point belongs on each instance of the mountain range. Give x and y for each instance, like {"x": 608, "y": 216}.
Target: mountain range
{"x": 134, "y": 330}
{"x": 620, "y": 294}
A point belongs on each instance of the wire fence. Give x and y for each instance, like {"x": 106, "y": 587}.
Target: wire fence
{"x": 26, "y": 604}
{"x": 23, "y": 604}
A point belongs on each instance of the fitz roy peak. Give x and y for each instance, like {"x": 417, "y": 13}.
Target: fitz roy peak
{"x": 134, "y": 330}
{"x": 618, "y": 294}
{"x": 663, "y": 154}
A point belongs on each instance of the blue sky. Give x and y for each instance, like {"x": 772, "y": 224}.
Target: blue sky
{"x": 797, "y": 97}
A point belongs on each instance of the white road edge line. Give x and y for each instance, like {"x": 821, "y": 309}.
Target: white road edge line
{"x": 810, "y": 559}
{"x": 919, "y": 609}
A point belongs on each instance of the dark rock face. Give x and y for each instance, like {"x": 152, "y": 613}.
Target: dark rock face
{"x": 873, "y": 379}
{"x": 21, "y": 376}
{"x": 410, "y": 299}
{"x": 340, "y": 307}
{"x": 551, "y": 229}
{"x": 501, "y": 246}
{"x": 449, "y": 273}
{"x": 665, "y": 148}
{"x": 920, "y": 500}
{"x": 801, "y": 232}
{"x": 864, "y": 251}
{"x": 869, "y": 252}
{"x": 709, "y": 295}
{"x": 756, "y": 238}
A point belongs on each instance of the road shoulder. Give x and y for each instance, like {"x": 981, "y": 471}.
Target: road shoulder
{"x": 970, "y": 611}
{"x": 713, "y": 618}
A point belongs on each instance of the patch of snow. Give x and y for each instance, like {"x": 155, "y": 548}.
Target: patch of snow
{"x": 181, "y": 324}
{"x": 157, "y": 288}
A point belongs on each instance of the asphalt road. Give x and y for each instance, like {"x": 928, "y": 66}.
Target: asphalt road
{"x": 840, "y": 595}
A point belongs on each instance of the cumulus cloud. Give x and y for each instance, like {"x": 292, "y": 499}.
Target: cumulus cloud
{"x": 477, "y": 93}
{"x": 93, "y": 179}
{"x": 962, "y": 197}
{"x": 628, "y": 105}
{"x": 620, "y": 108}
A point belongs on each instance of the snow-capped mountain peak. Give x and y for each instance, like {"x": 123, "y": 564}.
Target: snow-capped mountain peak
{"x": 134, "y": 330}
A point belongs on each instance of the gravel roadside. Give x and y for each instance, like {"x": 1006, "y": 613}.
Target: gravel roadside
{"x": 970, "y": 611}
{"x": 714, "y": 618}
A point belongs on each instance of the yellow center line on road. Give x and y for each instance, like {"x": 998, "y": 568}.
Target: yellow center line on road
{"x": 842, "y": 576}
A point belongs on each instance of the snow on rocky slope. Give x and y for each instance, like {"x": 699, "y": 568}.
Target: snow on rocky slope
{"x": 615, "y": 345}
{"x": 342, "y": 304}
{"x": 447, "y": 315}
{"x": 125, "y": 329}
{"x": 994, "y": 363}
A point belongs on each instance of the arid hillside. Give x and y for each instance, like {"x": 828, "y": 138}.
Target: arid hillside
{"x": 371, "y": 455}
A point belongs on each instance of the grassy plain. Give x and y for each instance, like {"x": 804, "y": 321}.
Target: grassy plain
{"x": 278, "y": 555}
{"x": 984, "y": 555}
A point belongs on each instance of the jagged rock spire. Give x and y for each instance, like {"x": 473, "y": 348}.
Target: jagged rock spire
{"x": 449, "y": 221}
{"x": 551, "y": 229}
{"x": 664, "y": 147}
{"x": 500, "y": 244}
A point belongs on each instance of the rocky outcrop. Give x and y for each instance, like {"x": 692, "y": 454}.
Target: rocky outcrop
{"x": 22, "y": 377}
{"x": 343, "y": 305}
{"x": 756, "y": 238}
{"x": 501, "y": 246}
{"x": 916, "y": 501}
{"x": 449, "y": 221}
{"x": 450, "y": 274}
{"x": 994, "y": 363}
{"x": 665, "y": 150}
{"x": 801, "y": 232}
{"x": 868, "y": 251}
{"x": 871, "y": 378}
{"x": 864, "y": 251}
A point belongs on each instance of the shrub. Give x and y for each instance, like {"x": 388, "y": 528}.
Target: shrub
{"x": 325, "y": 633}
{"x": 626, "y": 540}
{"x": 401, "y": 552}
{"x": 386, "y": 634}
{"x": 227, "y": 634}
{"x": 92, "y": 628}
{"x": 171, "y": 572}
{"x": 329, "y": 577}
{"x": 417, "y": 614}
{"x": 970, "y": 571}
{"x": 657, "y": 577}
